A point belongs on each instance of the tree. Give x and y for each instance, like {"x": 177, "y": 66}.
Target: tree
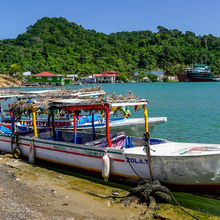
{"x": 14, "y": 69}
{"x": 152, "y": 77}
{"x": 123, "y": 77}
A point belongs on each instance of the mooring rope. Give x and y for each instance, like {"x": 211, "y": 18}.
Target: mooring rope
{"x": 132, "y": 167}
{"x": 182, "y": 207}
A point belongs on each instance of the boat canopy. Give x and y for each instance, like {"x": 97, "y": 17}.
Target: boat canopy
{"x": 58, "y": 93}
{"x": 74, "y": 106}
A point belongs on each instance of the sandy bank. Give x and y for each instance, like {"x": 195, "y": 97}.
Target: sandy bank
{"x": 36, "y": 192}
{"x": 9, "y": 81}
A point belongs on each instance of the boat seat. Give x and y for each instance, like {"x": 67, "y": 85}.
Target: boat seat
{"x": 140, "y": 141}
{"x": 118, "y": 140}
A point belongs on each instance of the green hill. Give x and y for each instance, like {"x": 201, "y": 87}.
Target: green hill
{"x": 59, "y": 46}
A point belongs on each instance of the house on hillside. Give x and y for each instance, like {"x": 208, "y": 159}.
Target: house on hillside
{"x": 28, "y": 73}
{"x": 89, "y": 79}
{"x": 46, "y": 78}
{"x": 106, "y": 77}
{"x": 73, "y": 77}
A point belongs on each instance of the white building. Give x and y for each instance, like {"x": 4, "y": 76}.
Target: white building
{"x": 106, "y": 77}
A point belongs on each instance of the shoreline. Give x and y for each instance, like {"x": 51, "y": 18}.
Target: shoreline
{"x": 54, "y": 194}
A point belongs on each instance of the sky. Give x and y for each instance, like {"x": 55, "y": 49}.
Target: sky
{"x": 109, "y": 16}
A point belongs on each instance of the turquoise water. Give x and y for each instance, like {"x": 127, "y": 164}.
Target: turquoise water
{"x": 192, "y": 109}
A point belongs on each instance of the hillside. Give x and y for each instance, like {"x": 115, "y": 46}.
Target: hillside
{"x": 8, "y": 81}
{"x": 59, "y": 46}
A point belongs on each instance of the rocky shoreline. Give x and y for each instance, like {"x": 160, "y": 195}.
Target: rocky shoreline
{"x": 31, "y": 192}
{"x": 9, "y": 82}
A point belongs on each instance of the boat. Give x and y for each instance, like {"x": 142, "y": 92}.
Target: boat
{"x": 199, "y": 73}
{"x": 191, "y": 166}
{"x": 130, "y": 125}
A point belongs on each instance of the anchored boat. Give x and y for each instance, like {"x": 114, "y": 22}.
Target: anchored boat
{"x": 192, "y": 166}
{"x": 199, "y": 73}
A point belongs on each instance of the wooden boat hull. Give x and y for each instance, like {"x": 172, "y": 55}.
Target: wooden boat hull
{"x": 196, "y": 172}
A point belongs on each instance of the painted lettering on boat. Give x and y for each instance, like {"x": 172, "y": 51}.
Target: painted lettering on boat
{"x": 136, "y": 160}
{"x": 94, "y": 153}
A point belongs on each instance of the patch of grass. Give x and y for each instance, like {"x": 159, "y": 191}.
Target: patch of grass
{"x": 199, "y": 203}
{"x": 175, "y": 213}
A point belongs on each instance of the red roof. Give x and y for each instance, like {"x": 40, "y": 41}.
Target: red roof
{"x": 110, "y": 72}
{"x": 45, "y": 74}
{"x": 106, "y": 74}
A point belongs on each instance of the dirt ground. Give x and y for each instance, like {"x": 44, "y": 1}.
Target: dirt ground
{"x": 39, "y": 192}
{"x": 31, "y": 192}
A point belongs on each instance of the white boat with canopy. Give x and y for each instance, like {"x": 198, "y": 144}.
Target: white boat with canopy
{"x": 194, "y": 166}
{"x": 130, "y": 125}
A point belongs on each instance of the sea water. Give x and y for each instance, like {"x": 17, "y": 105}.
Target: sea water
{"x": 192, "y": 109}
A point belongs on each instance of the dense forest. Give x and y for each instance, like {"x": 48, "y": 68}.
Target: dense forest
{"x": 59, "y": 46}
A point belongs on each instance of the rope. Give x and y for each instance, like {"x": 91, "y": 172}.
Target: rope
{"x": 12, "y": 141}
{"x": 17, "y": 138}
{"x": 182, "y": 207}
{"x": 132, "y": 167}
{"x": 170, "y": 194}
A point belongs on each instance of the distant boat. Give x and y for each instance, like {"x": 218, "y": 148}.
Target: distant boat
{"x": 199, "y": 73}
{"x": 216, "y": 79}
{"x": 130, "y": 125}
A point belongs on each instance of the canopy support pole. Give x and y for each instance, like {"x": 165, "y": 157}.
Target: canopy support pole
{"x": 93, "y": 127}
{"x": 13, "y": 120}
{"x": 53, "y": 124}
{"x": 34, "y": 122}
{"x": 48, "y": 120}
{"x": 147, "y": 143}
{"x": 74, "y": 117}
{"x": 107, "y": 125}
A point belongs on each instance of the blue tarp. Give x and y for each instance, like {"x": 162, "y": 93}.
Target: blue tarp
{"x": 5, "y": 130}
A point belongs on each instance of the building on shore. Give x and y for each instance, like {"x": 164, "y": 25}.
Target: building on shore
{"x": 27, "y": 73}
{"x": 74, "y": 77}
{"x": 145, "y": 79}
{"x": 89, "y": 79}
{"x": 106, "y": 77}
{"x": 67, "y": 81}
{"x": 46, "y": 78}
